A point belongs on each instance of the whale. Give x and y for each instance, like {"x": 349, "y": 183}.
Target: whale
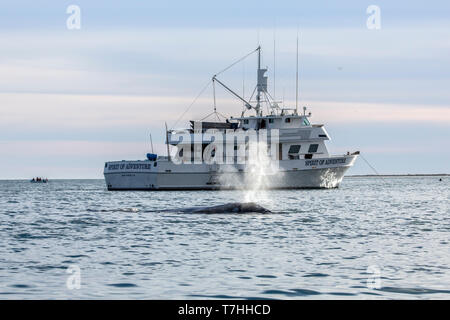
{"x": 233, "y": 207}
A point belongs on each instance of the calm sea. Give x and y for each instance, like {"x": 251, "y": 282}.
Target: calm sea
{"x": 371, "y": 238}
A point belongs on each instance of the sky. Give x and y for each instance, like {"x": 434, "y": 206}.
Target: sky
{"x": 71, "y": 99}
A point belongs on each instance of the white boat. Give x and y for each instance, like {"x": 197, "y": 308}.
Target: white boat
{"x": 288, "y": 152}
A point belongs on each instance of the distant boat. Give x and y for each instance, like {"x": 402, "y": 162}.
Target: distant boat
{"x": 39, "y": 180}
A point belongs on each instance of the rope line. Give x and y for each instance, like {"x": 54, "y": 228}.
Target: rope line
{"x": 217, "y": 114}
{"x": 374, "y": 170}
{"x": 208, "y": 84}
{"x": 236, "y": 62}
{"x": 195, "y": 100}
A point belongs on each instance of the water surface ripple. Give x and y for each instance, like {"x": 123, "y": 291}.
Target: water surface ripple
{"x": 321, "y": 244}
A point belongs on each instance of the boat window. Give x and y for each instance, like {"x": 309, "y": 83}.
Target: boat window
{"x": 155, "y": 164}
{"x": 106, "y": 165}
{"x": 270, "y": 120}
{"x": 180, "y": 153}
{"x": 287, "y": 120}
{"x": 246, "y": 121}
{"x": 263, "y": 124}
{"x": 306, "y": 122}
{"x": 313, "y": 148}
{"x": 295, "y": 148}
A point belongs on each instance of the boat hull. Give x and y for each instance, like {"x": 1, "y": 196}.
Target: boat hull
{"x": 294, "y": 174}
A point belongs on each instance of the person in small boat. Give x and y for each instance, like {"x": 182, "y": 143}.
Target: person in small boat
{"x": 32, "y": 180}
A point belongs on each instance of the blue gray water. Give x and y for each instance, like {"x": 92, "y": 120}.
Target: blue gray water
{"x": 372, "y": 238}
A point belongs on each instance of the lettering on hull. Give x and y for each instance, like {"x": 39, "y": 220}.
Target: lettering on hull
{"x": 321, "y": 162}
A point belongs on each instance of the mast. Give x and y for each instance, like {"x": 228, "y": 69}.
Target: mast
{"x": 214, "y": 94}
{"x": 296, "y": 81}
{"x": 261, "y": 86}
{"x": 260, "y": 89}
{"x": 258, "y": 95}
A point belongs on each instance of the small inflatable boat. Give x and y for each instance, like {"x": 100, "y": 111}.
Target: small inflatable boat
{"x": 38, "y": 180}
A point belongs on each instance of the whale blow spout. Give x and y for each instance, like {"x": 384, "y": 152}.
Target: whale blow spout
{"x": 235, "y": 207}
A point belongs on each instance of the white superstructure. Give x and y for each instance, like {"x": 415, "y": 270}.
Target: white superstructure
{"x": 212, "y": 155}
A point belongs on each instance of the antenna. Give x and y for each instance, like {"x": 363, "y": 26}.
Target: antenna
{"x": 274, "y": 50}
{"x": 243, "y": 82}
{"x": 151, "y": 142}
{"x": 296, "y": 81}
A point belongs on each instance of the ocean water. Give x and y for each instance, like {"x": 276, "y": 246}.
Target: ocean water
{"x": 371, "y": 238}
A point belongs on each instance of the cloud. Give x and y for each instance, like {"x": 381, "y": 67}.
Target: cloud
{"x": 56, "y": 112}
{"x": 68, "y": 148}
{"x": 394, "y": 65}
{"x": 386, "y": 150}
{"x": 96, "y": 87}
{"x": 67, "y": 159}
{"x": 361, "y": 112}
